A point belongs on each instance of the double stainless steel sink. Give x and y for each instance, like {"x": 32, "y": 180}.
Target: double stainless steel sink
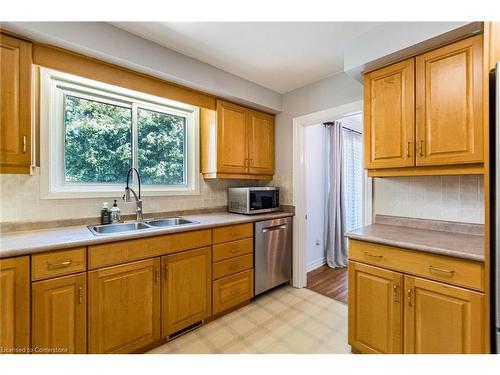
{"x": 134, "y": 226}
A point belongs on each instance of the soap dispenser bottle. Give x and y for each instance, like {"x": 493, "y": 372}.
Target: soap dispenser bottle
{"x": 105, "y": 214}
{"x": 115, "y": 213}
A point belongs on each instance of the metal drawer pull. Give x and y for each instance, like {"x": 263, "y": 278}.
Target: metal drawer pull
{"x": 24, "y": 144}
{"x": 276, "y": 227}
{"x": 421, "y": 147}
{"x": 408, "y": 148}
{"x": 442, "y": 270}
{"x": 235, "y": 292}
{"x": 166, "y": 272}
{"x": 55, "y": 266}
{"x": 409, "y": 297}
{"x": 157, "y": 274}
{"x": 235, "y": 266}
{"x": 234, "y": 233}
{"x": 373, "y": 255}
{"x": 235, "y": 250}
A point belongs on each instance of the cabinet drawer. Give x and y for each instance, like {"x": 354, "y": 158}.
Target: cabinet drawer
{"x": 58, "y": 263}
{"x": 232, "y": 290}
{"x": 232, "y": 249}
{"x": 231, "y": 266}
{"x": 436, "y": 267}
{"x": 143, "y": 248}
{"x": 231, "y": 233}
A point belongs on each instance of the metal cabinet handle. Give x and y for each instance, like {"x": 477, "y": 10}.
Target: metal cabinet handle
{"x": 441, "y": 270}
{"x": 373, "y": 255}
{"x": 276, "y": 227}
{"x": 409, "y": 297}
{"x": 235, "y": 266}
{"x": 24, "y": 144}
{"x": 55, "y": 266}
{"x": 235, "y": 292}
{"x": 235, "y": 250}
{"x": 157, "y": 274}
{"x": 234, "y": 233}
{"x": 395, "y": 293}
{"x": 421, "y": 147}
{"x": 408, "y": 148}
{"x": 166, "y": 272}
{"x": 80, "y": 295}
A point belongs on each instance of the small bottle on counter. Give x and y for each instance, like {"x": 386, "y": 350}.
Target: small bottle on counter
{"x": 116, "y": 216}
{"x": 105, "y": 214}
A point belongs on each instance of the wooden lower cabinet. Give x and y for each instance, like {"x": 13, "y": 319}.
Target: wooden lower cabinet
{"x": 375, "y": 309}
{"x": 442, "y": 319}
{"x": 232, "y": 290}
{"x": 59, "y": 315}
{"x": 186, "y": 291}
{"x": 14, "y": 305}
{"x": 124, "y": 307}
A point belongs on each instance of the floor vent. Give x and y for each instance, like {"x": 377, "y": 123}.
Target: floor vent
{"x": 185, "y": 330}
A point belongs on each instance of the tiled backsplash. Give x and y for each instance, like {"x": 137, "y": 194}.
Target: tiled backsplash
{"x": 20, "y": 200}
{"x": 451, "y": 198}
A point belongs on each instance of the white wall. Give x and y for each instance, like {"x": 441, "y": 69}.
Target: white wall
{"x": 109, "y": 43}
{"x": 315, "y": 194}
{"x": 328, "y": 93}
{"x": 451, "y": 198}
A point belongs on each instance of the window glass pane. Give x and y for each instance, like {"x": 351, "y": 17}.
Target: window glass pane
{"x": 353, "y": 173}
{"x": 97, "y": 141}
{"x": 161, "y": 147}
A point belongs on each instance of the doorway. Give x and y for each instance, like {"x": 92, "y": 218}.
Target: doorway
{"x": 309, "y": 196}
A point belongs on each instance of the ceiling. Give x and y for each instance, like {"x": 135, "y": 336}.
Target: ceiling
{"x": 281, "y": 56}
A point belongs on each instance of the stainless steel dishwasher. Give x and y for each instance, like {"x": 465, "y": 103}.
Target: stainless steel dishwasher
{"x": 273, "y": 253}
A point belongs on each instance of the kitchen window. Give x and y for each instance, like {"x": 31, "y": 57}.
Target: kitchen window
{"x": 92, "y": 133}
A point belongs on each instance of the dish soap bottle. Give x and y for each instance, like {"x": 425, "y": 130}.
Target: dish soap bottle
{"x": 115, "y": 213}
{"x": 105, "y": 214}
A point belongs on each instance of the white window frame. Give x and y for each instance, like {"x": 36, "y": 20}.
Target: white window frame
{"x": 54, "y": 86}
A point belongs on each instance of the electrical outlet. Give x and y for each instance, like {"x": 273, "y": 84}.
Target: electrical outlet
{"x": 317, "y": 243}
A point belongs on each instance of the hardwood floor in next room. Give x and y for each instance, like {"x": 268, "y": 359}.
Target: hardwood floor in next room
{"x": 331, "y": 282}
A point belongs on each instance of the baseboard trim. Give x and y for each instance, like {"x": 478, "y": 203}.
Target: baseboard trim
{"x": 315, "y": 264}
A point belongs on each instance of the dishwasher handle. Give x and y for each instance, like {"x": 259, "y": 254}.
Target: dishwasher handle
{"x": 275, "y": 227}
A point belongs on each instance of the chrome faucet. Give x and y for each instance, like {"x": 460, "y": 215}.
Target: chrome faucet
{"x": 126, "y": 196}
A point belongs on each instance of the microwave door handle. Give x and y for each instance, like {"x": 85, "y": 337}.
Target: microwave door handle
{"x": 276, "y": 227}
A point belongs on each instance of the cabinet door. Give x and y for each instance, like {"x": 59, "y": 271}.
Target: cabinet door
{"x": 389, "y": 112}
{"x": 231, "y": 138}
{"x": 124, "y": 307}
{"x": 15, "y": 100}
{"x": 375, "y": 309}
{"x": 260, "y": 143}
{"x": 449, "y": 104}
{"x": 186, "y": 289}
{"x": 15, "y": 304}
{"x": 442, "y": 319}
{"x": 59, "y": 315}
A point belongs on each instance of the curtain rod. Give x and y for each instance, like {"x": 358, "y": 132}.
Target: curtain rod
{"x": 330, "y": 123}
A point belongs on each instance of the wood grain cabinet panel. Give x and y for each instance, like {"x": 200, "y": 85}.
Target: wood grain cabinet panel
{"x": 389, "y": 116}
{"x": 375, "y": 309}
{"x": 124, "y": 307}
{"x": 260, "y": 143}
{"x": 15, "y": 105}
{"x": 442, "y": 319}
{"x": 186, "y": 292}
{"x": 14, "y": 305}
{"x": 232, "y": 233}
{"x": 449, "y": 89}
{"x": 236, "y": 142}
{"x": 59, "y": 315}
{"x": 232, "y": 290}
{"x": 58, "y": 263}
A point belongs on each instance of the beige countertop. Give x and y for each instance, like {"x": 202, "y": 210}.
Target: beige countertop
{"x": 458, "y": 245}
{"x": 37, "y": 241}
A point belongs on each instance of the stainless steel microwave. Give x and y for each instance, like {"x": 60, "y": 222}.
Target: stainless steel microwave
{"x": 253, "y": 200}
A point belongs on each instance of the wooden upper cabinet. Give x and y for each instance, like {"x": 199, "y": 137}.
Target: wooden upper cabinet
{"x": 260, "y": 143}
{"x": 15, "y": 304}
{"x": 375, "y": 309}
{"x": 449, "y": 111}
{"x": 231, "y": 134}
{"x": 442, "y": 319}
{"x": 389, "y": 116}
{"x": 124, "y": 307}
{"x": 59, "y": 315}
{"x": 186, "y": 292}
{"x": 15, "y": 105}
{"x": 236, "y": 142}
